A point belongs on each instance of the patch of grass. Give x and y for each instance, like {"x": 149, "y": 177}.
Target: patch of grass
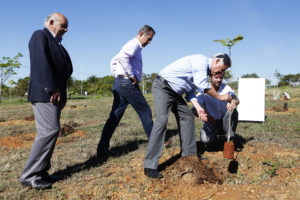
{"x": 271, "y": 167}
{"x": 90, "y": 178}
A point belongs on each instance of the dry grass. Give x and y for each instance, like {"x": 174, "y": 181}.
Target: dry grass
{"x": 267, "y": 157}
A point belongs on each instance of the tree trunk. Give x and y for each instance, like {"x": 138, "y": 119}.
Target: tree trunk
{"x": 230, "y": 68}
{"x": 0, "y": 91}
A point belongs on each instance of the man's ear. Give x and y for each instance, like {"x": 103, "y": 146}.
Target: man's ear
{"x": 141, "y": 34}
{"x": 51, "y": 22}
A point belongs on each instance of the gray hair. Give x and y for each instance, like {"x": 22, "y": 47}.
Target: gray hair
{"x": 47, "y": 21}
{"x": 53, "y": 16}
{"x": 224, "y": 57}
{"x": 146, "y": 29}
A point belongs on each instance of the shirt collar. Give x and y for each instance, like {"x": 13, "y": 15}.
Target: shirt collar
{"x": 209, "y": 65}
{"x": 138, "y": 42}
{"x": 59, "y": 39}
{"x": 53, "y": 34}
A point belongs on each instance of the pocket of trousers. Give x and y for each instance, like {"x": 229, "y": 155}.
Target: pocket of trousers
{"x": 126, "y": 88}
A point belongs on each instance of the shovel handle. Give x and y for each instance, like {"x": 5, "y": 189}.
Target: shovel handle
{"x": 228, "y": 132}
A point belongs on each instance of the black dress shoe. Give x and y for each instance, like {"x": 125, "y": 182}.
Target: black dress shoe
{"x": 38, "y": 184}
{"x": 152, "y": 173}
{"x": 105, "y": 153}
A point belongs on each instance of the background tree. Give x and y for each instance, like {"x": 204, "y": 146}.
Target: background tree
{"x": 268, "y": 83}
{"x": 278, "y": 76}
{"x": 22, "y": 86}
{"x": 105, "y": 85}
{"x": 253, "y": 75}
{"x": 153, "y": 76}
{"x": 289, "y": 80}
{"x": 70, "y": 83}
{"x": 227, "y": 76}
{"x": 229, "y": 43}
{"x": 11, "y": 83}
{"x": 92, "y": 82}
{"x": 7, "y": 69}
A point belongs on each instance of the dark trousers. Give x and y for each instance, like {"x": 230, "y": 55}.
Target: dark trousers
{"x": 125, "y": 93}
{"x": 210, "y": 131}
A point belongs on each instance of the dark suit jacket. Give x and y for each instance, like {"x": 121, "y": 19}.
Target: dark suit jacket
{"x": 50, "y": 67}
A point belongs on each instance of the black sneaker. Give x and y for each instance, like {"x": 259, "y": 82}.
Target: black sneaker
{"x": 152, "y": 173}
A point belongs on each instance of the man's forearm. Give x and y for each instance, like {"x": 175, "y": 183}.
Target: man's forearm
{"x": 212, "y": 92}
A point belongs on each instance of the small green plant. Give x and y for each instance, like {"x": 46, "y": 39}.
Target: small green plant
{"x": 271, "y": 167}
{"x": 292, "y": 163}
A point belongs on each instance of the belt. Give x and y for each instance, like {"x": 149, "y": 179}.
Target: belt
{"x": 123, "y": 76}
{"x": 162, "y": 79}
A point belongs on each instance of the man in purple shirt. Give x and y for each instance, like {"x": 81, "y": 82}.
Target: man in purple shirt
{"x": 127, "y": 68}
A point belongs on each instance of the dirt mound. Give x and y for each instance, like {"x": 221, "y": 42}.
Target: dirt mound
{"x": 25, "y": 140}
{"x": 278, "y": 109}
{"x": 65, "y": 130}
{"x": 191, "y": 170}
{"x": 29, "y": 118}
{"x": 20, "y": 141}
{"x": 73, "y": 124}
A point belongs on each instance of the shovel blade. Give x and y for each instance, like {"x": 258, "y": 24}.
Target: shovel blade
{"x": 228, "y": 150}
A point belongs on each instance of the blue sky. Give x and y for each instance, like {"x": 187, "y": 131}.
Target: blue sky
{"x": 99, "y": 28}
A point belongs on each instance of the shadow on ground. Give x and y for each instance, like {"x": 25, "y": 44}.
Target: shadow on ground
{"x": 170, "y": 133}
{"x": 95, "y": 160}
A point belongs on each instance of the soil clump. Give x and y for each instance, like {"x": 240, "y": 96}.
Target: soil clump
{"x": 65, "y": 130}
{"x": 191, "y": 170}
{"x": 29, "y": 118}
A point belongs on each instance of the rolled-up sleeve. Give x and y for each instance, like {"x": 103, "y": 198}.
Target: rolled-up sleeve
{"x": 191, "y": 95}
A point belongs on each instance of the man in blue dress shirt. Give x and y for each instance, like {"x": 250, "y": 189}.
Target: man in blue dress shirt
{"x": 127, "y": 68}
{"x": 185, "y": 75}
{"x": 219, "y": 112}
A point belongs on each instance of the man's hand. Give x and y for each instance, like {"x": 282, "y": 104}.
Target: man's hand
{"x": 231, "y": 105}
{"x": 134, "y": 80}
{"x": 226, "y": 97}
{"x": 55, "y": 98}
{"x": 199, "y": 111}
{"x": 202, "y": 115}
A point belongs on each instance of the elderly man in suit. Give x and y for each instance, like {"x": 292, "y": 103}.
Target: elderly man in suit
{"x": 50, "y": 68}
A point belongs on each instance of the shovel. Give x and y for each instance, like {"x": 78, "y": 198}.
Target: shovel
{"x": 228, "y": 146}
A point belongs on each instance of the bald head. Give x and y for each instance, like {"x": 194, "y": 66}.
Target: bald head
{"x": 57, "y": 23}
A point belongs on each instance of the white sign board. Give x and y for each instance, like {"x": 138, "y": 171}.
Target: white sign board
{"x": 251, "y": 93}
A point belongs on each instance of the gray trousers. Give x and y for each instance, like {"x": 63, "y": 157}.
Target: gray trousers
{"x": 209, "y": 131}
{"x": 47, "y": 118}
{"x": 165, "y": 100}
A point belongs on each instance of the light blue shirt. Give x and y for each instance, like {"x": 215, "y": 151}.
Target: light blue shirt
{"x": 215, "y": 107}
{"x": 188, "y": 74}
{"x": 128, "y": 62}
